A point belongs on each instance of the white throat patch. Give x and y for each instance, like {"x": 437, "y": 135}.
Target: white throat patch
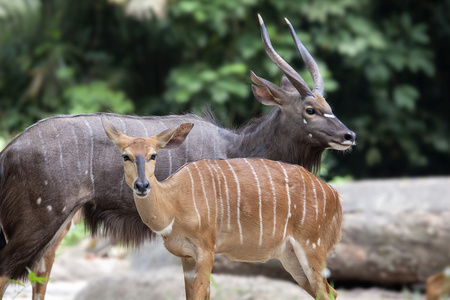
{"x": 167, "y": 230}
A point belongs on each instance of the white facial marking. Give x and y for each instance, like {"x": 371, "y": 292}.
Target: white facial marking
{"x": 204, "y": 191}
{"x": 38, "y": 201}
{"x": 193, "y": 197}
{"x": 260, "y": 201}
{"x": 329, "y": 116}
{"x": 304, "y": 121}
{"x": 238, "y": 209}
{"x": 167, "y": 230}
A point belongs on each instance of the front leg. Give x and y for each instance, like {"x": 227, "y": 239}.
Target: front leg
{"x": 189, "y": 275}
{"x": 203, "y": 268}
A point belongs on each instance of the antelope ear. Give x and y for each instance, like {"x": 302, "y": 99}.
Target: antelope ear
{"x": 266, "y": 92}
{"x": 111, "y": 131}
{"x": 174, "y": 137}
{"x": 286, "y": 85}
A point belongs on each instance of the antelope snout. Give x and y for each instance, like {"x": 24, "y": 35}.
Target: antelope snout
{"x": 141, "y": 188}
{"x": 350, "y": 137}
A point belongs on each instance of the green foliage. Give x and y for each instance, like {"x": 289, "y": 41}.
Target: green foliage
{"x": 75, "y": 235}
{"x": 384, "y": 64}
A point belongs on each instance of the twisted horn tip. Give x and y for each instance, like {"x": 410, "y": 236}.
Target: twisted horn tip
{"x": 261, "y": 22}
{"x": 287, "y": 21}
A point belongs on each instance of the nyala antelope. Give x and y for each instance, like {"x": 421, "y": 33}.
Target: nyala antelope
{"x": 247, "y": 209}
{"x": 52, "y": 170}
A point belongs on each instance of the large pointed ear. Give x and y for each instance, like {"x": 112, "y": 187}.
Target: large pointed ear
{"x": 265, "y": 91}
{"x": 111, "y": 131}
{"x": 174, "y": 137}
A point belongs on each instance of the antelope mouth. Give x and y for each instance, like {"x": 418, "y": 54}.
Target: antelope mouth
{"x": 141, "y": 194}
{"x": 341, "y": 146}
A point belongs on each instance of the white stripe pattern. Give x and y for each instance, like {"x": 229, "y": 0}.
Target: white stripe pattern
{"x": 215, "y": 191}
{"x": 193, "y": 197}
{"x": 216, "y": 166}
{"x": 274, "y": 198}
{"x": 304, "y": 194}
{"x": 238, "y": 209}
{"x": 91, "y": 134}
{"x": 76, "y": 144}
{"x": 145, "y": 128}
{"x": 204, "y": 191}
{"x": 286, "y": 180}
{"x": 260, "y": 201}
{"x": 315, "y": 194}
{"x": 324, "y": 197}
{"x": 226, "y": 193}
{"x": 169, "y": 151}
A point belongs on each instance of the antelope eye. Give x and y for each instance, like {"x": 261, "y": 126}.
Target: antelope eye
{"x": 310, "y": 111}
{"x": 153, "y": 157}
{"x": 126, "y": 157}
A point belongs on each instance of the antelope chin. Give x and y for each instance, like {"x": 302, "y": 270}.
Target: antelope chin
{"x": 340, "y": 146}
{"x": 141, "y": 194}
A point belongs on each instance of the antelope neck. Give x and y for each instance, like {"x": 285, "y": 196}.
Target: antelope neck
{"x": 156, "y": 211}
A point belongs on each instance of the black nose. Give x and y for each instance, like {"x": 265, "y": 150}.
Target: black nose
{"x": 350, "y": 136}
{"x": 141, "y": 186}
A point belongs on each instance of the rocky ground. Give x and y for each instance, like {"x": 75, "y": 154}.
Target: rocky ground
{"x": 79, "y": 276}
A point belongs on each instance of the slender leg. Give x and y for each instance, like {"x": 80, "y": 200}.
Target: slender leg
{"x": 203, "y": 268}
{"x": 307, "y": 271}
{"x": 44, "y": 267}
{"x": 189, "y": 276}
{"x": 4, "y": 281}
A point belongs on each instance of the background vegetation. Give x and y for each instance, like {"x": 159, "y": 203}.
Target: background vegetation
{"x": 386, "y": 65}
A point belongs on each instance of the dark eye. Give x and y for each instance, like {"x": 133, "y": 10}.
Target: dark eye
{"x": 126, "y": 157}
{"x": 153, "y": 157}
{"x": 310, "y": 111}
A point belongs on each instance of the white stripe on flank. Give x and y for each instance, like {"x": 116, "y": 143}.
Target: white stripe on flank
{"x": 274, "y": 197}
{"x": 329, "y": 116}
{"x": 168, "y": 151}
{"x": 61, "y": 159}
{"x": 260, "y": 202}
{"x": 315, "y": 194}
{"x": 76, "y": 144}
{"x": 204, "y": 191}
{"x": 124, "y": 126}
{"x": 91, "y": 133}
{"x": 324, "y": 197}
{"x": 304, "y": 194}
{"x": 143, "y": 126}
{"x": 238, "y": 217}
{"x": 216, "y": 166}
{"x": 167, "y": 230}
{"x": 286, "y": 180}
{"x": 193, "y": 197}
{"x": 215, "y": 191}
{"x": 227, "y": 194}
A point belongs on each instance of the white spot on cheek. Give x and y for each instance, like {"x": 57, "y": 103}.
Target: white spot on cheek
{"x": 49, "y": 208}
{"x": 38, "y": 201}
{"x": 304, "y": 121}
{"x": 310, "y": 135}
